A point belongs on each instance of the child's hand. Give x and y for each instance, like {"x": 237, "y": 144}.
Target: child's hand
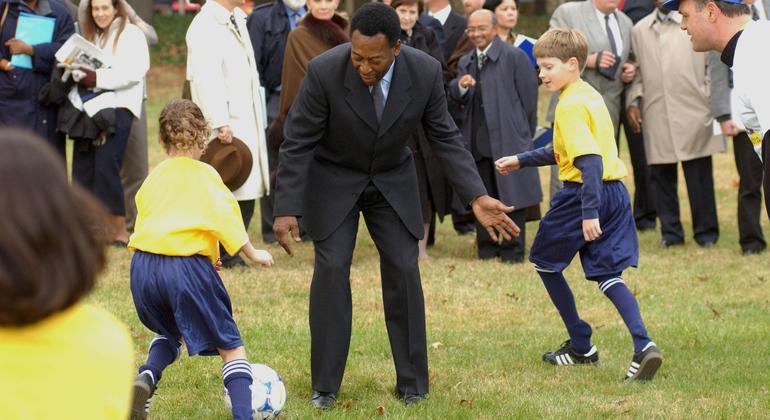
{"x": 506, "y": 165}
{"x": 591, "y": 229}
{"x": 218, "y": 265}
{"x": 264, "y": 258}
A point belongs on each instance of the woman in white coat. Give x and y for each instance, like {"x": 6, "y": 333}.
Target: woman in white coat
{"x": 224, "y": 83}
{"x": 120, "y": 85}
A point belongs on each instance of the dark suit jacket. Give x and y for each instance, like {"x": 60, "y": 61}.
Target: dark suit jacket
{"x": 454, "y": 27}
{"x": 509, "y": 94}
{"x": 334, "y": 148}
{"x": 637, "y": 9}
{"x": 269, "y": 28}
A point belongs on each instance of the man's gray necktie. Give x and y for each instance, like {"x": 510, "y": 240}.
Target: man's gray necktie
{"x": 482, "y": 61}
{"x": 611, "y": 36}
{"x": 379, "y": 100}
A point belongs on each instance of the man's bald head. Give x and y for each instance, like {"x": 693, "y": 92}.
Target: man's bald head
{"x": 481, "y": 28}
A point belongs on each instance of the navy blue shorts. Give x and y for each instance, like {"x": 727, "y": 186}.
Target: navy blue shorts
{"x": 560, "y": 235}
{"x": 183, "y": 297}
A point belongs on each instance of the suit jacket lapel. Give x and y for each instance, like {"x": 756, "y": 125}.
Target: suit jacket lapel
{"x": 359, "y": 99}
{"x": 398, "y": 96}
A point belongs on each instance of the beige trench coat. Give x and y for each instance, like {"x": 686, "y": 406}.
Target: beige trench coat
{"x": 672, "y": 82}
{"x": 224, "y": 83}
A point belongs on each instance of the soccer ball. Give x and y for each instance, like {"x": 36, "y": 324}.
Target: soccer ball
{"x": 268, "y": 393}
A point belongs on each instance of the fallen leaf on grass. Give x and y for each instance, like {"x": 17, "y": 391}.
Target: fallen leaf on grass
{"x": 456, "y": 385}
{"x": 466, "y": 403}
{"x": 436, "y": 345}
{"x": 714, "y": 312}
{"x": 702, "y": 279}
{"x": 380, "y": 410}
{"x": 451, "y": 267}
{"x": 346, "y": 405}
{"x": 512, "y": 296}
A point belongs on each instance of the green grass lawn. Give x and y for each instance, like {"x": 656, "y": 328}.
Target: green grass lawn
{"x": 488, "y": 325}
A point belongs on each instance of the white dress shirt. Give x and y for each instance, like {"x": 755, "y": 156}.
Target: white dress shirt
{"x": 385, "y": 81}
{"x": 442, "y": 15}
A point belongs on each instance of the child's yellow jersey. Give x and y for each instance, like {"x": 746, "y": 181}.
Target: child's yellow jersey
{"x": 184, "y": 208}
{"x": 582, "y": 126}
{"x": 75, "y": 364}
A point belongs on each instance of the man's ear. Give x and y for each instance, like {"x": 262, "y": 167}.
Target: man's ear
{"x": 397, "y": 47}
{"x": 712, "y": 11}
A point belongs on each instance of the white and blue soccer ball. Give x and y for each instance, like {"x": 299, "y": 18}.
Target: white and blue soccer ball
{"x": 268, "y": 392}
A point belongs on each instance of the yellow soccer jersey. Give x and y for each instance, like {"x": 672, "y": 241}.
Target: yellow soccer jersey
{"x": 582, "y": 126}
{"x": 75, "y": 364}
{"x": 184, "y": 208}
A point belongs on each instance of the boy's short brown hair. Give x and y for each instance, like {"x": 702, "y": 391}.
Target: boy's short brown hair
{"x": 182, "y": 126}
{"x": 563, "y": 44}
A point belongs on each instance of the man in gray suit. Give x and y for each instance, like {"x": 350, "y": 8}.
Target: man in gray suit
{"x": 346, "y": 153}
{"x": 608, "y": 31}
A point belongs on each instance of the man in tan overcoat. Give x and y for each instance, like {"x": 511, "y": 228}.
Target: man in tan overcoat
{"x": 669, "y": 100}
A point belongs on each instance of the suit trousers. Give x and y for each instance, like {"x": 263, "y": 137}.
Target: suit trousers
{"x": 135, "y": 166}
{"x": 508, "y": 251}
{"x": 266, "y": 202}
{"x": 749, "y": 193}
{"x": 331, "y": 303}
{"x": 699, "y": 176}
{"x": 97, "y": 168}
{"x": 643, "y": 204}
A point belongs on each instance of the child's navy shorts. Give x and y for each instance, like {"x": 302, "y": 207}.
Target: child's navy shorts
{"x": 560, "y": 235}
{"x": 184, "y": 297}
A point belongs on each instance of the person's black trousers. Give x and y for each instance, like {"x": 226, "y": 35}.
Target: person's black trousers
{"x": 749, "y": 194}
{"x": 508, "y": 251}
{"x": 644, "y": 206}
{"x": 97, "y": 168}
{"x": 331, "y": 304}
{"x": 699, "y": 176}
{"x": 247, "y": 212}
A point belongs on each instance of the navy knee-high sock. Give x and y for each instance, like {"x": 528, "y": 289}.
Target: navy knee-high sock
{"x": 237, "y": 377}
{"x": 561, "y": 296}
{"x": 625, "y": 302}
{"x": 163, "y": 352}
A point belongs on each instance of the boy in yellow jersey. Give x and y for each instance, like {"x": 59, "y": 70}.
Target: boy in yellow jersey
{"x": 592, "y": 214}
{"x": 184, "y": 212}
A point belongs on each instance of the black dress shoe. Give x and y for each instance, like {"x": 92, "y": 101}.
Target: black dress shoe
{"x": 323, "y": 400}
{"x": 707, "y": 244}
{"x": 411, "y": 399}
{"x": 665, "y": 243}
{"x": 752, "y": 251}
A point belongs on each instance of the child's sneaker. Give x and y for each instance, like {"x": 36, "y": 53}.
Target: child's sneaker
{"x": 644, "y": 364}
{"x": 566, "y": 355}
{"x": 144, "y": 387}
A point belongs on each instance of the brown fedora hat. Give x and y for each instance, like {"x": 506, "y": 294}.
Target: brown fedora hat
{"x": 232, "y": 161}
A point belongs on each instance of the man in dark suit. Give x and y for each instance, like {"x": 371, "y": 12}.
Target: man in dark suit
{"x": 345, "y": 153}
{"x": 269, "y": 26}
{"x": 498, "y": 88}
{"x": 452, "y": 24}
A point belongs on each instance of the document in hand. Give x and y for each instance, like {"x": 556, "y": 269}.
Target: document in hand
{"x": 78, "y": 52}
{"x": 526, "y": 44}
{"x": 33, "y": 30}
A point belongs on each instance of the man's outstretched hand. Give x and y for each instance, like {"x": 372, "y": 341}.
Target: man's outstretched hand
{"x": 283, "y": 226}
{"x": 491, "y": 213}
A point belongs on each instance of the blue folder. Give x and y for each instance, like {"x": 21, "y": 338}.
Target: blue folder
{"x": 33, "y": 30}
{"x": 526, "y": 44}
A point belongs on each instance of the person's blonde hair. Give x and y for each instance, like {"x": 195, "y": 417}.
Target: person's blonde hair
{"x": 562, "y": 44}
{"x": 182, "y": 126}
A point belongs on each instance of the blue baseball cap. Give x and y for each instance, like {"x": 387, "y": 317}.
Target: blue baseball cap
{"x": 674, "y": 4}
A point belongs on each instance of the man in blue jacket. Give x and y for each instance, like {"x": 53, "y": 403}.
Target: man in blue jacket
{"x": 19, "y": 87}
{"x": 269, "y": 26}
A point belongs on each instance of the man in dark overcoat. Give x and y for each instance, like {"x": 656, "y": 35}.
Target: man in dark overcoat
{"x": 498, "y": 89}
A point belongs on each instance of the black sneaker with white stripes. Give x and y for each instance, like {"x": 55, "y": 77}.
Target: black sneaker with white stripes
{"x": 566, "y": 356}
{"x": 644, "y": 364}
{"x": 144, "y": 388}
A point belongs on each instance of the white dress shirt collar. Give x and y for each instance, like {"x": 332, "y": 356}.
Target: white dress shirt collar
{"x": 443, "y": 14}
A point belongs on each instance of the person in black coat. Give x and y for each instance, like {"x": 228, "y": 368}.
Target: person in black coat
{"x": 20, "y": 87}
{"x": 434, "y": 196}
{"x": 269, "y": 25}
{"x": 346, "y": 152}
{"x": 452, "y": 24}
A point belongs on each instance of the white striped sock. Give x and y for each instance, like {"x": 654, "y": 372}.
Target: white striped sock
{"x": 606, "y": 284}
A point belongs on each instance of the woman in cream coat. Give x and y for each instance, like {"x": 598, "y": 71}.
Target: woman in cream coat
{"x": 96, "y": 165}
{"x": 224, "y": 83}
